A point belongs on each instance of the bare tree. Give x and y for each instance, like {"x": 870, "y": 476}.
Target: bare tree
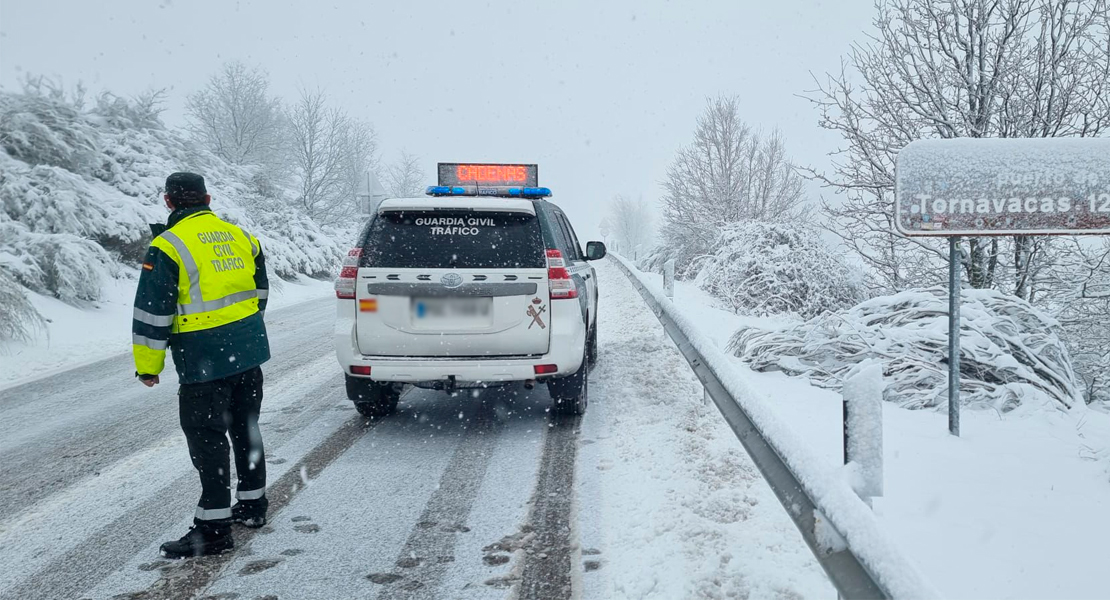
{"x": 235, "y": 117}
{"x": 729, "y": 174}
{"x": 958, "y": 68}
{"x": 629, "y": 222}
{"x": 1080, "y": 289}
{"x": 330, "y": 153}
{"x": 405, "y": 177}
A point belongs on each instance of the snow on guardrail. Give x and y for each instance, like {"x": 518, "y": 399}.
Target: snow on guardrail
{"x": 856, "y": 529}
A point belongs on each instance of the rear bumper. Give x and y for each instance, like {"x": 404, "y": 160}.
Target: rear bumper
{"x": 565, "y": 351}
{"x": 463, "y": 370}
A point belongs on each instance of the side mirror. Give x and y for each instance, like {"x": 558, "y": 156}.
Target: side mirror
{"x": 595, "y": 250}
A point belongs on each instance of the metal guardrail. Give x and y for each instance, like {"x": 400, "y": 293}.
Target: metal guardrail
{"x": 847, "y": 573}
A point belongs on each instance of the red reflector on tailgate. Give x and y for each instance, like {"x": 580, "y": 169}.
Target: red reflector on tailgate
{"x": 545, "y": 369}
{"x": 357, "y": 370}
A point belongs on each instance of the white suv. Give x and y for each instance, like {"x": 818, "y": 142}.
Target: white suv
{"x": 461, "y": 290}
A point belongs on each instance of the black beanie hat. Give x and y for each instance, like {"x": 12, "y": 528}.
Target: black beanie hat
{"x": 186, "y": 188}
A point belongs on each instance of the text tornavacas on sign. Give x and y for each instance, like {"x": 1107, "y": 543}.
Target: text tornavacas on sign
{"x": 1008, "y": 202}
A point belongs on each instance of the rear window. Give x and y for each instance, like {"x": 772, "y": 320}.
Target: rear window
{"x": 454, "y": 239}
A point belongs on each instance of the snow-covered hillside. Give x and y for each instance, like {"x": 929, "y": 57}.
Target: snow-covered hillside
{"x": 79, "y": 185}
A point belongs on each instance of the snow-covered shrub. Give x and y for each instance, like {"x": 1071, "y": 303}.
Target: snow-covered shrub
{"x": 686, "y": 262}
{"x": 294, "y": 244}
{"x": 779, "y": 268}
{"x": 44, "y": 130}
{"x": 62, "y": 265}
{"x": 1010, "y": 352}
{"x": 73, "y": 269}
{"x": 18, "y": 317}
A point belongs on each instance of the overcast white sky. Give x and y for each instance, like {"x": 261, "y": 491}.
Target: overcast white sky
{"x": 600, "y": 94}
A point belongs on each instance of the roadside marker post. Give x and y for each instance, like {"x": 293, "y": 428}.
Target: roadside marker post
{"x": 668, "y": 278}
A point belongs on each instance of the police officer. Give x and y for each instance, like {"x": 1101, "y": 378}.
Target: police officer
{"x": 202, "y": 293}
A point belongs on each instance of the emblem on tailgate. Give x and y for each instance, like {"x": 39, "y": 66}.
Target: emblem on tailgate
{"x": 451, "y": 280}
{"x": 535, "y": 314}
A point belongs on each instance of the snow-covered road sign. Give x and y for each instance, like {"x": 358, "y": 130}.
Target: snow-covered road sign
{"x": 970, "y": 186}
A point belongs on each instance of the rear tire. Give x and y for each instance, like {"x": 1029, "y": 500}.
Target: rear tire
{"x": 372, "y": 399}
{"x": 571, "y": 393}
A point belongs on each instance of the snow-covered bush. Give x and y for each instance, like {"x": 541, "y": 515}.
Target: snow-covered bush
{"x": 73, "y": 269}
{"x": 18, "y": 317}
{"x": 778, "y": 268}
{"x": 1010, "y": 352}
{"x": 62, "y": 265}
{"x": 686, "y": 261}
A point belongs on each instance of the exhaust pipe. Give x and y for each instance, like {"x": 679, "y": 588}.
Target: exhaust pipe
{"x": 529, "y": 384}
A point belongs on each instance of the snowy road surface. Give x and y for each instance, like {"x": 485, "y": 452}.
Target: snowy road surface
{"x": 487, "y": 496}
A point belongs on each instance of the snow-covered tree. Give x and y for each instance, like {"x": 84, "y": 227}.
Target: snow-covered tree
{"x": 235, "y": 117}
{"x": 729, "y": 174}
{"x": 331, "y": 151}
{"x": 40, "y": 127}
{"x": 405, "y": 178}
{"x": 958, "y": 68}
{"x": 630, "y": 223}
{"x": 1079, "y": 286}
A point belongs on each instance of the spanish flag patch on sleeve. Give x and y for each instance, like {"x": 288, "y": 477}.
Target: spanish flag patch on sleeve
{"x": 148, "y": 267}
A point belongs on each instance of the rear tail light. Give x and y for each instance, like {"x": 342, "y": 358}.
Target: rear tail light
{"x": 558, "y": 277}
{"x": 545, "y": 369}
{"x": 345, "y": 283}
{"x": 359, "y": 370}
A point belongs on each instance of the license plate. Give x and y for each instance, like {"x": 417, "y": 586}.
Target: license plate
{"x": 463, "y": 311}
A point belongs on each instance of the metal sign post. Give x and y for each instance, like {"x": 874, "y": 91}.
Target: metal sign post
{"x": 954, "y": 256}
{"x": 980, "y": 187}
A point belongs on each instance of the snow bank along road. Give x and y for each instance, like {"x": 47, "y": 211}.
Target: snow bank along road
{"x": 477, "y": 496}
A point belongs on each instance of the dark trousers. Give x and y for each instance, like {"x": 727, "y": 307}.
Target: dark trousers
{"x": 209, "y": 412}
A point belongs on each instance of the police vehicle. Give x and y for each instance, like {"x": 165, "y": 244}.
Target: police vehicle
{"x": 482, "y": 282}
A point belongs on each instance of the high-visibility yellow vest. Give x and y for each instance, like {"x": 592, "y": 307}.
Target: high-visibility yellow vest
{"x": 215, "y": 262}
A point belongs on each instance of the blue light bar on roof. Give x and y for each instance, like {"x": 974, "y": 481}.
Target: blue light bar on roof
{"x": 497, "y": 191}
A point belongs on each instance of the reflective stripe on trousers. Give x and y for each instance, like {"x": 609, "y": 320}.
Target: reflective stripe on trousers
{"x": 212, "y": 514}
{"x": 250, "y": 494}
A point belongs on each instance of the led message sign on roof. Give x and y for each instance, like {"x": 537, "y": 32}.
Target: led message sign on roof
{"x": 452, "y": 174}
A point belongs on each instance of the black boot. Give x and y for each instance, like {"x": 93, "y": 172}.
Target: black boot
{"x": 204, "y": 539}
{"x": 250, "y": 513}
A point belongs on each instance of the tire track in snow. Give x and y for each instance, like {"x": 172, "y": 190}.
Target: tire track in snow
{"x": 550, "y": 556}
{"x": 430, "y": 548}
